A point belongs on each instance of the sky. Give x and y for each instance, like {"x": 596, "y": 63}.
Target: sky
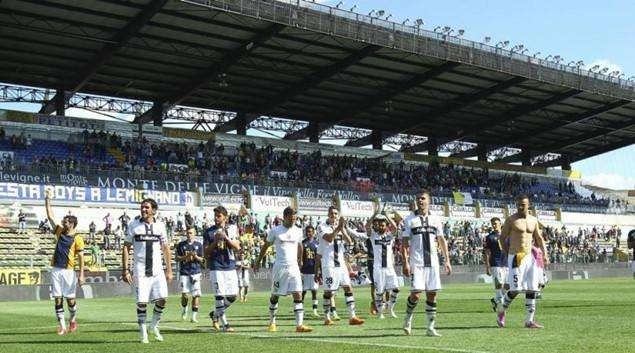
{"x": 597, "y": 33}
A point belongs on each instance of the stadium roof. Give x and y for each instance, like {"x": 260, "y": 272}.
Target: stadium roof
{"x": 304, "y": 61}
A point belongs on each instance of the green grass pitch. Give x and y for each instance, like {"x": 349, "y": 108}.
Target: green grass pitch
{"x": 591, "y": 316}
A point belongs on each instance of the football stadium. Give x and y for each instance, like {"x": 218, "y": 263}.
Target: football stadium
{"x": 289, "y": 176}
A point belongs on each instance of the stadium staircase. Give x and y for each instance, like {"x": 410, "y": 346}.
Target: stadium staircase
{"x": 35, "y": 250}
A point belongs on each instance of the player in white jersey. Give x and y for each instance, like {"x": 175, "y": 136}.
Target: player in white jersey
{"x": 287, "y": 279}
{"x": 422, "y": 234}
{"x": 380, "y": 242}
{"x": 243, "y": 264}
{"x": 149, "y": 241}
{"x": 332, "y": 234}
{"x": 384, "y": 275}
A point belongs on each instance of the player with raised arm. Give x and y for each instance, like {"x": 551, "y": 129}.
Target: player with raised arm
{"x": 332, "y": 234}
{"x": 189, "y": 255}
{"x": 495, "y": 261}
{"x": 64, "y": 280}
{"x": 287, "y": 279}
{"x": 309, "y": 255}
{"x": 380, "y": 242}
{"x": 422, "y": 235}
{"x": 221, "y": 244}
{"x": 148, "y": 240}
{"x": 519, "y": 232}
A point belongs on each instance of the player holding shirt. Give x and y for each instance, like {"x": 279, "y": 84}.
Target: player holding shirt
{"x": 149, "y": 240}
{"x": 495, "y": 261}
{"x": 189, "y": 254}
{"x": 221, "y": 242}
{"x": 422, "y": 234}
{"x": 68, "y": 246}
{"x": 519, "y": 232}
{"x": 287, "y": 279}
{"x": 309, "y": 254}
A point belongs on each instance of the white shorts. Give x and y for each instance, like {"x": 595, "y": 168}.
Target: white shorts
{"x": 224, "y": 283}
{"x": 334, "y": 277}
{"x": 500, "y": 275}
{"x": 151, "y": 289}
{"x": 286, "y": 280}
{"x": 526, "y": 276}
{"x": 243, "y": 281}
{"x": 384, "y": 279}
{"x": 64, "y": 282}
{"x": 191, "y": 284}
{"x": 424, "y": 279}
{"x": 308, "y": 282}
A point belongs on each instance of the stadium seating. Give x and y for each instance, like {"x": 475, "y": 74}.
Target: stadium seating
{"x": 278, "y": 167}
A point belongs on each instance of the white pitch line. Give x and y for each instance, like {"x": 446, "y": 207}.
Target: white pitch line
{"x": 370, "y": 344}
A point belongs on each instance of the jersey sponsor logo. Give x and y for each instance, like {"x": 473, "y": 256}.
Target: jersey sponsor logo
{"x": 383, "y": 241}
{"x": 424, "y": 229}
{"x": 147, "y": 237}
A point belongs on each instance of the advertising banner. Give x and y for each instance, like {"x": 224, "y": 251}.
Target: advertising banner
{"x": 15, "y": 191}
{"x": 490, "y": 212}
{"x": 270, "y": 204}
{"x": 354, "y": 208}
{"x": 311, "y": 205}
{"x": 462, "y": 212}
{"x": 19, "y": 276}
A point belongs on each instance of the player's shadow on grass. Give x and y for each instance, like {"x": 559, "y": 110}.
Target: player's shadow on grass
{"x": 586, "y": 306}
{"x": 441, "y": 328}
{"x": 14, "y": 333}
{"x": 115, "y": 330}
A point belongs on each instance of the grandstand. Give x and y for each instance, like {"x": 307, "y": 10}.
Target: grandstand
{"x": 313, "y": 72}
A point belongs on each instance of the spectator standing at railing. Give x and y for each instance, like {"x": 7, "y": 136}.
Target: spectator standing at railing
{"x": 108, "y": 224}
{"x": 119, "y": 233}
{"x": 92, "y": 230}
{"x": 180, "y": 222}
{"x": 107, "y": 241}
{"x": 124, "y": 219}
{"x": 21, "y": 222}
{"x": 169, "y": 226}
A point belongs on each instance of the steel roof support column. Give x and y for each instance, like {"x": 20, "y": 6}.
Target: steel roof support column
{"x": 566, "y": 162}
{"x": 433, "y": 146}
{"x": 60, "y": 102}
{"x": 481, "y": 152}
{"x": 314, "y": 133}
{"x": 525, "y": 157}
{"x": 378, "y": 141}
{"x": 241, "y": 124}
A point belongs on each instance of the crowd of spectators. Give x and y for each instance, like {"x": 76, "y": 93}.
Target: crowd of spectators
{"x": 267, "y": 166}
{"x": 584, "y": 245}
